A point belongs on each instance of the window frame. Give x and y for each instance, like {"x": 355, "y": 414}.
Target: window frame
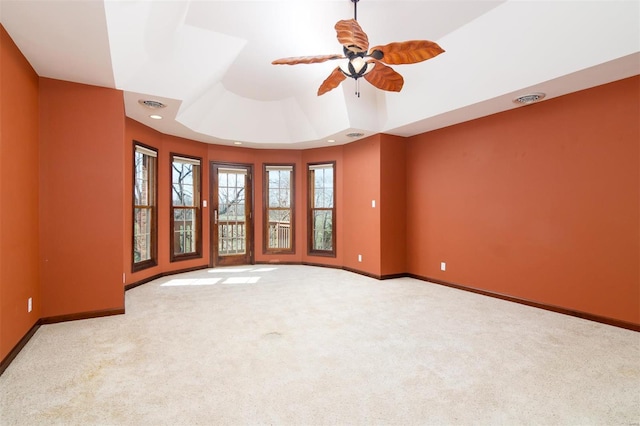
{"x": 266, "y": 208}
{"x": 310, "y": 210}
{"x": 153, "y": 207}
{"x": 197, "y": 208}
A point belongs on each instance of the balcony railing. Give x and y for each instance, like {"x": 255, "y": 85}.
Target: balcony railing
{"x": 279, "y": 235}
{"x": 231, "y": 237}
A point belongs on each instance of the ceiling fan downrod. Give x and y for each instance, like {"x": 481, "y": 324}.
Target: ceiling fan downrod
{"x": 354, "y": 75}
{"x": 355, "y": 9}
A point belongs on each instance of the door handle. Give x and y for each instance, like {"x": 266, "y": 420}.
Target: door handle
{"x": 215, "y": 217}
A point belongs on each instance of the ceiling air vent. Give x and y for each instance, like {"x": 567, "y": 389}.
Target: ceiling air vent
{"x": 151, "y": 104}
{"x": 355, "y": 134}
{"x": 529, "y": 98}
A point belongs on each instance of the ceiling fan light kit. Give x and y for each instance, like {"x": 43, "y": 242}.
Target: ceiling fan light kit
{"x": 362, "y": 62}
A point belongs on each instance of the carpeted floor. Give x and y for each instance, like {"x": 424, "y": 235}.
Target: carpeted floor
{"x": 299, "y": 345}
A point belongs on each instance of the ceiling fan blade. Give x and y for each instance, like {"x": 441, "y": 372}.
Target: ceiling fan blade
{"x": 406, "y": 52}
{"x": 335, "y": 78}
{"x": 351, "y": 36}
{"x": 306, "y": 59}
{"x": 384, "y": 77}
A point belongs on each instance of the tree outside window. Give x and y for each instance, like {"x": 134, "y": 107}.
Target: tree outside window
{"x": 144, "y": 208}
{"x": 279, "y": 212}
{"x": 185, "y": 208}
{"x": 322, "y": 213}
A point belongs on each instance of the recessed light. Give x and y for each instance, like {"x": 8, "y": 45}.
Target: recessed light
{"x": 355, "y": 134}
{"x": 331, "y": 140}
{"x": 156, "y": 116}
{"x": 529, "y": 98}
{"x": 237, "y": 143}
{"x": 151, "y": 104}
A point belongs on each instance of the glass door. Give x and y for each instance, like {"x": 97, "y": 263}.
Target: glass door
{"x": 232, "y": 225}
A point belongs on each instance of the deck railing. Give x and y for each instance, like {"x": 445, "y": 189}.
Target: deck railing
{"x": 279, "y": 235}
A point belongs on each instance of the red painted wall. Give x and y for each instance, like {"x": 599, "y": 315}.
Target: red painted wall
{"x": 81, "y": 198}
{"x": 393, "y": 213}
{"x": 541, "y": 202}
{"x": 218, "y": 153}
{"x": 361, "y": 225}
{"x": 19, "y": 266}
{"x": 165, "y": 144}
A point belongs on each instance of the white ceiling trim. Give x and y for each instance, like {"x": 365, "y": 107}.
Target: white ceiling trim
{"x": 210, "y": 61}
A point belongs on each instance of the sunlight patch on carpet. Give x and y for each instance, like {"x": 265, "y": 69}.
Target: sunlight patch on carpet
{"x": 241, "y": 280}
{"x": 190, "y": 281}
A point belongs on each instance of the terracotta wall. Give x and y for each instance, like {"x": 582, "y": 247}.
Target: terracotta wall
{"x": 19, "y": 266}
{"x": 361, "y": 225}
{"x": 224, "y": 154}
{"x": 541, "y": 202}
{"x": 81, "y": 198}
{"x": 166, "y": 145}
{"x": 393, "y": 213}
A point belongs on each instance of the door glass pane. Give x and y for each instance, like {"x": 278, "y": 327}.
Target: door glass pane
{"x": 231, "y": 212}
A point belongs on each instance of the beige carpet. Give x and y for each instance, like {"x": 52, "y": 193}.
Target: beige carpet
{"x": 297, "y": 345}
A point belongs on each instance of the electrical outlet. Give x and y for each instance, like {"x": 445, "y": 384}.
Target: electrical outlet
{"x": 443, "y": 266}
{"x": 373, "y": 203}
{"x": 359, "y": 258}
{"x": 30, "y": 304}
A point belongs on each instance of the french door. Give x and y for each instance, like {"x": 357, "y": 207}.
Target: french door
{"x": 231, "y": 218}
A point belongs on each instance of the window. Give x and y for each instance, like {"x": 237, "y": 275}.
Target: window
{"x": 185, "y": 208}
{"x": 145, "y": 240}
{"x": 322, "y": 209}
{"x": 278, "y": 208}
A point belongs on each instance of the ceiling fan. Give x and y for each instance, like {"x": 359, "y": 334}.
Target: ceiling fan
{"x": 368, "y": 63}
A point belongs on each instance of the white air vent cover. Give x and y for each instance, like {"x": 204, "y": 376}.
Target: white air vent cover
{"x": 151, "y": 104}
{"x": 529, "y": 98}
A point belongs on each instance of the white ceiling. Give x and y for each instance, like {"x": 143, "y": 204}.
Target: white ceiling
{"x": 210, "y": 61}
